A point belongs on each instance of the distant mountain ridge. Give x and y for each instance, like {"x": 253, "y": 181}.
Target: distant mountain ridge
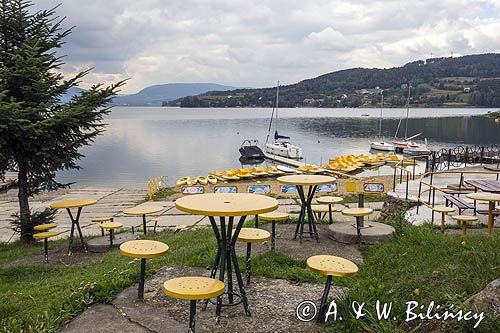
{"x": 472, "y": 80}
{"x": 157, "y": 95}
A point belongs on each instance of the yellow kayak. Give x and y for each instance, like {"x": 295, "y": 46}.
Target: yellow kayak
{"x": 183, "y": 181}
{"x": 211, "y": 179}
{"x": 202, "y": 180}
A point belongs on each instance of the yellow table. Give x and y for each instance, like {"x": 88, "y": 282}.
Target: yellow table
{"x": 75, "y": 203}
{"x": 328, "y": 200}
{"x": 143, "y": 249}
{"x": 312, "y": 181}
{"x": 225, "y": 205}
{"x": 491, "y": 198}
{"x": 143, "y": 210}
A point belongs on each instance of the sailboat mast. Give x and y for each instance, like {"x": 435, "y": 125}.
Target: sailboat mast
{"x": 380, "y": 121}
{"x": 407, "y": 111}
{"x": 277, "y": 99}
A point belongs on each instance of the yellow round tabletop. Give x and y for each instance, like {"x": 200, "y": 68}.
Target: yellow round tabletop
{"x": 329, "y": 200}
{"x": 111, "y": 225}
{"x": 74, "y": 203}
{"x": 331, "y": 265}
{"x": 443, "y": 209}
{"x": 274, "y": 216}
{"x": 143, "y": 210}
{"x": 321, "y": 208}
{"x": 306, "y": 179}
{"x": 143, "y": 249}
{"x": 226, "y": 204}
{"x": 45, "y": 226}
{"x": 193, "y": 287}
{"x": 358, "y": 211}
{"x": 484, "y": 196}
{"x": 45, "y": 234}
{"x": 253, "y": 235}
{"x": 465, "y": 218}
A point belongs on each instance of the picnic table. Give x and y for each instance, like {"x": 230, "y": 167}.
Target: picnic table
{"x": 312, "y": 181}
{"x": 491, "y": 198}
{"x": 227, "y": 205}
{"x": 485, "y": 185}
{"x": 75, "y": 221}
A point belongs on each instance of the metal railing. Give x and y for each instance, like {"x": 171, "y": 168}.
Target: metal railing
{"x": 431, "y": 189}
{"x": 461, "y": 156}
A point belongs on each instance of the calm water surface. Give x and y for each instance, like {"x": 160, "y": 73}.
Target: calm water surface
{"x": 141, "y": 143}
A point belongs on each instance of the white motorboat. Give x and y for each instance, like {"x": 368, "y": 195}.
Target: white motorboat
{"x": 380, "y": 144}
{"x": 419, "y": 150}
{"x": 280, "y": 146}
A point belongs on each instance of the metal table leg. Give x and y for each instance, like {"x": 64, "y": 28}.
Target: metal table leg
{"x": 225, "y": 261}
{"x": 307, "y": 209}
{"x": 144, "y": 223}
{"x": 75, "y": 222}
{"x": 141, "y": 278}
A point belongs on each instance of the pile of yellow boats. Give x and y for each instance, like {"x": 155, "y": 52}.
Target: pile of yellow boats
{"x": 345, "y": 163}
{"x": 351, "y": 163}
{"x": 230, "y": 175}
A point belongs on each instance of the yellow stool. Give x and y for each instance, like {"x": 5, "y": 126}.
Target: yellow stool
{"x": 102, "y": 220}
{"x": 45, "y": 236}
{"x": 273, "y": 217}
{"x": 328, "y": 200}
{"x": 359, "y": 213}
{"x": 44, "y": 227}
{"x": 330, "y": 266}
{"x": 111, "y": 226}
{"x": 249, "y": 236}
{"x": 193, "y": 288}
{"x": 320, "y": 211}
{"x": 464, "y": 219}
{"x": 443, "y": 210}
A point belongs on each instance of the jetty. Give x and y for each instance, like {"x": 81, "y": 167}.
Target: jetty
{"x": 297, "y": 164}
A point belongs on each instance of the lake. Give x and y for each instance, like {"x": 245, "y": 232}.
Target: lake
{"x": 145, "y": 142}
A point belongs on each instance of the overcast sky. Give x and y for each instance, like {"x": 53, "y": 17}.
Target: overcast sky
{"x": 256, "y": 43}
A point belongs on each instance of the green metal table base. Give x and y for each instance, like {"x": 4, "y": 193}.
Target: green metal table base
{"x": 306, "y": 209}
{"x": 75, "y": 221}
{"x": 225, "y": 260}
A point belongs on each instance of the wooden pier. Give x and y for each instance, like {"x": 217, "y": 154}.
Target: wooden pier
{"x": 296, "y": 164}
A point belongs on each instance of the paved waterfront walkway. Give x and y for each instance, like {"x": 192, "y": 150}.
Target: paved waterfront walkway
{"x": 271, "y": 312}
{"x": 112, "y": 202}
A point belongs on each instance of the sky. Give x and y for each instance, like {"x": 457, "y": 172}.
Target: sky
{"x": 255, "y": 43}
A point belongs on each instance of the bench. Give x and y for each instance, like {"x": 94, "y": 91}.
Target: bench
{"x": 458, "y": 192}
{"x": 460, "y": 203}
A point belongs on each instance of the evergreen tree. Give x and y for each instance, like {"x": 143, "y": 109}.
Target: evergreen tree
{"x": 39, "y": 135}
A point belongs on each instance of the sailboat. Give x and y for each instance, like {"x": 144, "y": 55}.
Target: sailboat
{"x": 281, "y": 146}
{"x": 407, "y": 146}
{"x": 381, "y": 144}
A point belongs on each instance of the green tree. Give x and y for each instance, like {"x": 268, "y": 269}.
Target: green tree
{"x": 39, "y": 135}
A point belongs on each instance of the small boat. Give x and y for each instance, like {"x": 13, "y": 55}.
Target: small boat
{"x": 202, "y": 180}
{"x": 380, "y": 144}
{"x": 280, "y": 147}
{"x": 183, "y": 181}
{"x": 419, "y": 150}
{"x": 250, "y": 150}
{"x": 365, "y": 115}
{"x": 212, "y": 179}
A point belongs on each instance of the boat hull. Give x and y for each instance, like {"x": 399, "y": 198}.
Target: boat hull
{"x": 284, "y": 149}
{"x": 381, "y": 145}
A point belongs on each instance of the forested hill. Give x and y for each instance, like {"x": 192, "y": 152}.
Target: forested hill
{"x": 472, "y": 80}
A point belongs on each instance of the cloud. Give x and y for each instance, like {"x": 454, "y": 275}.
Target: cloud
{"x": 255, "y": 43}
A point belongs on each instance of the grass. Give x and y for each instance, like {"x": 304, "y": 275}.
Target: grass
{"x": 420, "y": 264}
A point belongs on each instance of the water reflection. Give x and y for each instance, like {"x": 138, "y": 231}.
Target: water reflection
{"x": 143, "y": 143}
